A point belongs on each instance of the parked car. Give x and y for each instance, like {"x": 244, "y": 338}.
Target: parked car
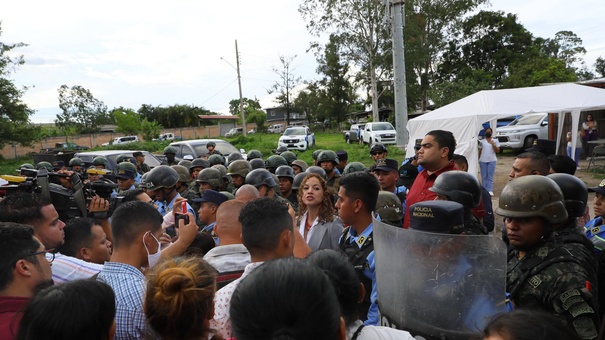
{"x": 499, "y": 123}
{"x": 276, "y": 128}
{"x": 66, "y": 146}
{"x": 351, "y": 135}
{"x": 253, "y": 131}
{"x": 122, "y": 140}
{"x": 234, "y": 131}
{"x": 523, "y": 131}
{"x": 378, "y": 132}
{"x": 299, "y": 138}
{"x": 197, "y": 148}
{"x": 111, "y": 156}
{"x": 166, "y": 136}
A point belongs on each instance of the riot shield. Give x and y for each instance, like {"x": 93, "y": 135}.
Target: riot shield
{"x": 439, "y": 286}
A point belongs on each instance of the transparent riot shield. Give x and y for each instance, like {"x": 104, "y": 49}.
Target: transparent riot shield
{"x": 438, "y": 286}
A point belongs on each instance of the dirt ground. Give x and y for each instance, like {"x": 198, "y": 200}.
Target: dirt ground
{"x": 504, "y": 166}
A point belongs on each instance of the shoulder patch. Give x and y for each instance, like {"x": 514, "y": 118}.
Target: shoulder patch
{"x": 580, "y": 308}
{"x": 585, "y": 328}
{"x": 568, "y": 294}
{"x": 571, "y": 301}
{"x": 534, "y": 281}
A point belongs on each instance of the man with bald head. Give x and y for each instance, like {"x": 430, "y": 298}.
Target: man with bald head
{"x": 231, "y": 255}
{"x": 247, "y": 193}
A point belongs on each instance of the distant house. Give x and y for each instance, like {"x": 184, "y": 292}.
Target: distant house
{"x": 278, "y": 114}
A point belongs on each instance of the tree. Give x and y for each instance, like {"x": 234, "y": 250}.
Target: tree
{"x": 80, "y": 109}
{"x": 310, "y": 101}
{"x": 150, "y": 129}
{"x": 339, "y": 94}
{"x": 250, "y": 106}
{"x": 128, "y": 121}
{"x": 359, "y": 28}
{"x": 258, "y": 117}
{"x": 285, "y": 85}
{"x": 599, "y": 66}
{"x": 539, "y": 70}
{"x": 15, "y": 125}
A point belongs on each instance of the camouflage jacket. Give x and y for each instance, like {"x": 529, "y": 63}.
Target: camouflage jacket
{"x": 554, "y": 277}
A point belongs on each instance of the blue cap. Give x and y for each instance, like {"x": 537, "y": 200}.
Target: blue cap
{"x": 211, "y": 196}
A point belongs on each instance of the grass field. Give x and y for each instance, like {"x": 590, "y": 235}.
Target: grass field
{"x": 265, "y": 143}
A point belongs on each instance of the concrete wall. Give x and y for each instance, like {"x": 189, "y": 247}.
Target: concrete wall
{"x": 93, "y": 140}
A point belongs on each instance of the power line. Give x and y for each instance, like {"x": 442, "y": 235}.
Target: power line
{"x": 221, "y": 90}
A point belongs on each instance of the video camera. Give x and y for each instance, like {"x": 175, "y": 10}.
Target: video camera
{"x": 69, "y": 203}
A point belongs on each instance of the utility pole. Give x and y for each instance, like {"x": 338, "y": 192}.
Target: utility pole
{"x": 241, "y": 98}
{"x": 401, "y": 106}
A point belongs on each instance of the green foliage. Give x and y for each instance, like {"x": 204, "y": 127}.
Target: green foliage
{"x": 128, "y": 121}
{"x": 599, "y": 66}
{"x": 259, "y": 117}
{"x": 249, "y": 106}
{"x": 150, "y": 129}
{"x": 81, "y": 110}
{"x": 175, "y": 116}
{"x": 15, "y": 126}
{"x": 285, "y": 85}
{"x": 539, "y": 70}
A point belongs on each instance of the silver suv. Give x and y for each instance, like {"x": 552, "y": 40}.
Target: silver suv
{"x": 523, "y": 131}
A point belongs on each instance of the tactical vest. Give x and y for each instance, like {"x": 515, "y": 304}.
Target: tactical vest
{"x": 358, "y": 257}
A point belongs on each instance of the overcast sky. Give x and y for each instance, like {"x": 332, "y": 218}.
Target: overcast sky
{"x": 129, "y": 53}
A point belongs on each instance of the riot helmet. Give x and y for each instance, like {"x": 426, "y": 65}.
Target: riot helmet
{"x": 211, "y": 176}
{"x": 458, "y": 186}
{"x": 234, "y": 157}
{"x": 284, "y": 171}
{"x": 75, "y": 161}
{"x": 254, "y": 154}
{"x": 44, "y": 165}
{"x": 239, "y": 167}
{"x": 327, "y": 156}
{"x": 289, "y": 156}
{"x": 275, "y": 161}
{"x": 184, "y": 175}
{"x": 575, "y": 193}
{"x": 281, "y": 149}
{"x": 185, "y": 163}
{"x": 378, "y": 147}
{"x": 99, "y": 160}
{"x": 162, "y": 176}
{"x": 298, "y": 179}
{"x": 301, "y": 164}
{"x": 258, "y": 177}
{"x": 314, "y": 169}
{"x": 257, "y": 163}
{"x": 354, "y": 167}
{"x": 169, "y": 149}
{"x": 216, "y": 159}
{"x": 198, "y": 162}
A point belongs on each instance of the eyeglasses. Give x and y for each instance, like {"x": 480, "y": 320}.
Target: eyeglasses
{"x": 49, "y": 254}
{"x": 377, "y": 153}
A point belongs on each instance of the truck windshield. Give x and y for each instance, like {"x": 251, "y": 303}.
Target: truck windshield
{"x": 527, "y": 120}
{"x": 383, "y": 127}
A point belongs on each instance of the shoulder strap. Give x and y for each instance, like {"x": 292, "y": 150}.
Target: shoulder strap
{"x": 356, "y": 334}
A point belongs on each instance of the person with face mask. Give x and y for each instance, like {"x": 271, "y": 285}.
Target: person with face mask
{"x": 136, "y": 228}
{"x": 489, "y": 147}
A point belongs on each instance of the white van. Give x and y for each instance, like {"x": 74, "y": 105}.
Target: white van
{"x": 276, "y": 128}
{"x": 122, "y": 140}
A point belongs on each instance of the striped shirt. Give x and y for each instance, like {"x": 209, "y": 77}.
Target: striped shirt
{"x": 66, "y": 268}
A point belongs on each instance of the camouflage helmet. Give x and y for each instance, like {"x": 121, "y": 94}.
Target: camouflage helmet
{"x": 44, "y": 165}
{"x": 316, "y": 154}
{"x": 198, "y": 162}
{"x": 170, "y": 149}
{"x": 458, "y": 186}
{"x": 257, "y": 163}
{"x": 327, "y": 156}
{"x": 76, "y": 161}
{"x": 281, "y": 149}
{"x": 318, "y": 170}
{"x": 185, "y": 163}
{"x": 284, "y": 171}
{"x": 354, "y": 167}
{"x": 258, "y": 177}
{"x": 275, "y": 161}
{"x": 143, "y": 179}
{"x": 212, "y": 144}
{"x": 121, "y": 158}
{"x": 216, "y": 159}
{"x": 211, "y": 176}
{"x": 99, "y": 160}
{"x": 26, "y": 166}
{"x": 126, "y": 166}
{"x": 530, "y": 196}
{"x": 298, "y": 179}
{"x": 575, "y": 193}
{"x": 289, "y": 156}
{"x": 221, "y": 168}
{"x": 378, "y": 147}
{"x": 162, "y": 176}
{"x": 234, "y": 156}
{"x": 239, "y": 167}
{"x": 388, "y": 206}
{"x": 184, "y": 175}
{"x": 254, "y": 154}
{"x": 301, "y": 164}
{"x": 227, "y": 194}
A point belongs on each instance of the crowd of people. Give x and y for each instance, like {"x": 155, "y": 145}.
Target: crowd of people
{"x": 231, "y": 248}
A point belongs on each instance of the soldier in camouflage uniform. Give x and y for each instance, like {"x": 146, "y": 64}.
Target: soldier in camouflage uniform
{"x": 182, "y": 186}
{"x": 543, "y": 272}
{"x": 328, "y": 161}
{"x": 142, "y": 167}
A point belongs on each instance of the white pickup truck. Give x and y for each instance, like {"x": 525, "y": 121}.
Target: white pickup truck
{"x": 379, "y": 132}
{"x": 523, "y": 131}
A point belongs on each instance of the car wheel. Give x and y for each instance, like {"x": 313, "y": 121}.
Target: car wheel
{"x": 529, "y": 142}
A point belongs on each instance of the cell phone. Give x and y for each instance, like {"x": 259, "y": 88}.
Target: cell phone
{"x": 181, "y": 216}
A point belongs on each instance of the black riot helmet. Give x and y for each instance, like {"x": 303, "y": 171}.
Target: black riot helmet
{"x": 458, "y": 186}
{"x": 575, "y": 193}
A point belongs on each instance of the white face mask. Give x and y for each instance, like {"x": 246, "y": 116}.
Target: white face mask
{"x": 152, "y": 259}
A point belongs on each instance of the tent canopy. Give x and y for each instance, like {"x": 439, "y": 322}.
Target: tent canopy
{"x": 464, "y": 118}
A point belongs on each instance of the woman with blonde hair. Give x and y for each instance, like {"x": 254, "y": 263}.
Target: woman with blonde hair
{"x": 179, "y": 301}
{"x": 317, "y": 222}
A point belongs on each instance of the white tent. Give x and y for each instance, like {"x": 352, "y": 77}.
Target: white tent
{"x": 464, "y": 118}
